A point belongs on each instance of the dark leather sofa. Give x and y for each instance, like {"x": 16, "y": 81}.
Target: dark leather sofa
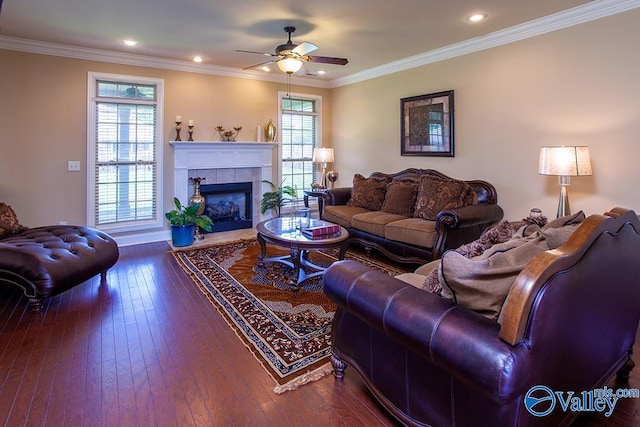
{"x": 46, "y": 261}
{"x": 569, "y": 324}
{"x": 452, "y": 227}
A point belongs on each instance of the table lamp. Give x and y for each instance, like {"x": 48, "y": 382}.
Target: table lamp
{"x": 324, "y": 156}
{"x": 564, "y": 162}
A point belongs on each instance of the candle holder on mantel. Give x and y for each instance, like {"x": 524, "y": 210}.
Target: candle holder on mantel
{"x": 197, "y": 198}
{"x": 190, "y": 132}
{"x": 178, "y": 127}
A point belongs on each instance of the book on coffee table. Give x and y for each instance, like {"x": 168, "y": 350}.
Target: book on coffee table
{"x": 322, "y": 230}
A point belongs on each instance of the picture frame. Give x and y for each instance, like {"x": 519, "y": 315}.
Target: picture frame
{"x": 426, "y": 125}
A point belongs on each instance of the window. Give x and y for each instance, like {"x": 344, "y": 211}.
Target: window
{"x": 299, "y": 135}
{"x": 124, "y": 152}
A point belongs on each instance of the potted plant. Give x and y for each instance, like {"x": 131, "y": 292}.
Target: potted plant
{"x": 183, "y": 220}
{"x": 277, "y": 197}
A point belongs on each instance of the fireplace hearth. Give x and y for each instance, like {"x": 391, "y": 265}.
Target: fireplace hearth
{"x": 228, "y": 205}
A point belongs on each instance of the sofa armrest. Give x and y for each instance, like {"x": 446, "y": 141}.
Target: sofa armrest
{"x": 463, "y": 225}
{"x": 337, "y": 196}
{"x": 463, "y": 343}
{"x": 468, "y": 216}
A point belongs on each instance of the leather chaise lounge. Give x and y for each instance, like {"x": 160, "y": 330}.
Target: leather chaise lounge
{"x": 46, "y": 261}
{"x": 569, "y": 323}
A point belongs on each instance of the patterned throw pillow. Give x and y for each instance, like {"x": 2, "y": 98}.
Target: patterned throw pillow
{"x": 400, "y": 197}
{"x": 368, "y": 193}
{"x": 9, "y": 222}
{"x": 436, "y": 194}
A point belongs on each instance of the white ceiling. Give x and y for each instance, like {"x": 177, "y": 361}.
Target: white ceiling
{"x": 370, "y": 33}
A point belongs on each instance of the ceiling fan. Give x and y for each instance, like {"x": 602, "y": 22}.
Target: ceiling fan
{"x": 290, "y": 56}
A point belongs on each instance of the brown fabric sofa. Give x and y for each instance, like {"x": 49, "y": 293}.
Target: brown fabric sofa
{"x": 568, "y": 324}
{"x": 384, "y": 216}
{"x": 46, "y": 261}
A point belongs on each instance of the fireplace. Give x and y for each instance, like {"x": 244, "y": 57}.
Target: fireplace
{"x": 228, "y": 205}
{"x": 225, "y": 163}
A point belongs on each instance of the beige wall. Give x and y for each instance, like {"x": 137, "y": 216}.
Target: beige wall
{"x": 43, "y": 125}
{"x": 577, "y": 86}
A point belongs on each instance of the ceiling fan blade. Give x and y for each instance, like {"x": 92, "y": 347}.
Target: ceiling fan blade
{"x": 252, "y": 51}
{"x": 304, "y": 48}
{"x": 257, "y": 65}
{"x": 327, "y": 60}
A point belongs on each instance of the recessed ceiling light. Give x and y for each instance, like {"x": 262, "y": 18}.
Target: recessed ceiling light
{"x": 477, "y": 17}
{"x": 129, "y": 42}
{"x": 322, "y": 72}
{"x": 265, "y": 68}
{"x": 197, "y": 59}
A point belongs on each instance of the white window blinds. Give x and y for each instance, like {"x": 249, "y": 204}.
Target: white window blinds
{"x": 125, "y": 149}
{"x": 299, "y": 135}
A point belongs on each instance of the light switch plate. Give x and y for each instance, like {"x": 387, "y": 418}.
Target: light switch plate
{"x": 73, "y": 166}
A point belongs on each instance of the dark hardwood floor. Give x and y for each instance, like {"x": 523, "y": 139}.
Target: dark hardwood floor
{"x": 145, "y": 348}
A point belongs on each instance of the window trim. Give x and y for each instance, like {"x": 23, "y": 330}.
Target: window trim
{"x": 156, "y": 222}
{"x": 318, "y": 101}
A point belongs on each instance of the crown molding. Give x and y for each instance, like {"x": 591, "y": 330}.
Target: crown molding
{"x": 578, "y": 15}
{"x": 568, "y": 18}
{"x": 100, "y": 55}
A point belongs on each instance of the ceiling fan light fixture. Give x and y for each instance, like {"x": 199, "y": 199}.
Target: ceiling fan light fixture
{"x": 289, "y": 65}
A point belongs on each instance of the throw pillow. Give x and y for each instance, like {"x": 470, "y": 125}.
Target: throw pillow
{"x": 436, "y": 194}
{"x": 9, "y": 221}
{"x": 482, "y": 283}
{"x": 497, "y": 234}
{"x": 400, "y": 197}
{"x": 368, "y": 193}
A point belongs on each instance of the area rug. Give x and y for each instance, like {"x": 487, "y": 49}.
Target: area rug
{"x": 288, "y": 332}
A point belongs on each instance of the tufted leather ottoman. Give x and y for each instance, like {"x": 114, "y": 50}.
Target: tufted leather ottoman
{"x": 46, "y": 261}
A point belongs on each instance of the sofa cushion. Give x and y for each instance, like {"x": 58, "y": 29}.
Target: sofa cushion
{"x": 374, "y": 222}
{"x": 9, "y": 224}
{"x": 414, "y": 231}
{"x": 341, "y": 214}
{"x": 400, "y": 197}
{"x": 436, "y": 194}
{"x": 368, "y": 193}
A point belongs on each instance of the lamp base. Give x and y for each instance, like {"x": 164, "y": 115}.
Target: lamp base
{"x": 563, "y": 203}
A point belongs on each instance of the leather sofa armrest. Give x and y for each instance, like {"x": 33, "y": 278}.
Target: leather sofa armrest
{"x": 469, "y": 216}
{"x": 337, "y": 196}
{"x": 457, "y": 340}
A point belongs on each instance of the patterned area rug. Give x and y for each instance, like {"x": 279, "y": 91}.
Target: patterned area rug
{"x": 288, "y": 332}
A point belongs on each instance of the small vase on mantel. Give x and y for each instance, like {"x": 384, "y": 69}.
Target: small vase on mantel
{"x": 270, "y": 131}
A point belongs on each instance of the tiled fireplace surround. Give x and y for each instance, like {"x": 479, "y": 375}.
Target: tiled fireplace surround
{"x": 222, "y": 163}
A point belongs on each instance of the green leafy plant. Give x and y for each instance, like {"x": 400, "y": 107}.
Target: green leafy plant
{"x": 277, "y": 197}
{"x": 188, "y": 215}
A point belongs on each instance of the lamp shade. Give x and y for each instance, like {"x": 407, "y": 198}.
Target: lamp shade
{"x": 564, "y": 161}
{"x": 323, "y": 155}
{"x": 289, "y": 65}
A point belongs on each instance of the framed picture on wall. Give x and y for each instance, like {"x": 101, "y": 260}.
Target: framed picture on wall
{"x": 426, "y": 125}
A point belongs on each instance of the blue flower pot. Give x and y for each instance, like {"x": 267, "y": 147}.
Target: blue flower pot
{"x": 182, "y": 235}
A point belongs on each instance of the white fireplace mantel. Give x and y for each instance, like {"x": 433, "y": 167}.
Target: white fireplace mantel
{"x": 219, "y": 155}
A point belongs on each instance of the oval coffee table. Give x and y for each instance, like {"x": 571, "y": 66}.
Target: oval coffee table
{"x": 282, "y": 231}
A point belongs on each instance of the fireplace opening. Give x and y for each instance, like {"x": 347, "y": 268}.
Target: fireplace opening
{"x": 228, "y": 205}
